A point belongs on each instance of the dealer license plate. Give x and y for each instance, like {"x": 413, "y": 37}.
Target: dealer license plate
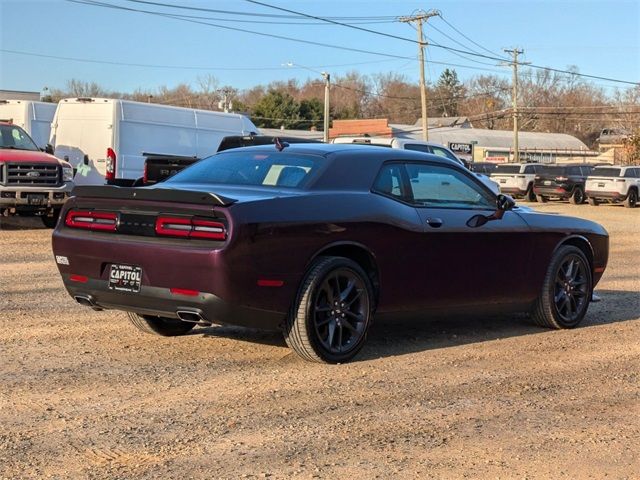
{"x": 35, "y": 199}
{"x": 601, "y": 185}
{"x": 125, "y": 278}
{"x": 547, "y": 182}
{"x": 503, "y": 180}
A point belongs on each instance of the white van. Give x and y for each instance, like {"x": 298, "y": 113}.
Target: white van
{"x": 106, "y": 140}
{"x": 33, "y": 117}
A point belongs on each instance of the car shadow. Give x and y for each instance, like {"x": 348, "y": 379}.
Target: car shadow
{"x": 390, "y": 337}
{"x": 21, "y": 223}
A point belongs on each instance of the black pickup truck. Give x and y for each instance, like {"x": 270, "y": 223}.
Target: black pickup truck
{"x": 159, "y": 167}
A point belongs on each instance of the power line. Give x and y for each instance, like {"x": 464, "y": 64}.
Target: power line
{"x": 389, "y": 18}
{"x": 469, "y": 39}
{"x": 177, "y": 67}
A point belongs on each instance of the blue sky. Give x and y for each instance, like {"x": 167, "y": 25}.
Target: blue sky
{"x": 599, "y": 37}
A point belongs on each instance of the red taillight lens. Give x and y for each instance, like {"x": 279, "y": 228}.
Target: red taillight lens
{"x": 191, "y": 228}
{"x": 92, "y": 220}
{"x": 144, "y": 174}
{"x": 111, "y": 165}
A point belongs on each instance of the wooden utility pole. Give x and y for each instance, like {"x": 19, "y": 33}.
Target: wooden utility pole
{"x": 327, "y": 116}
{"x": 418, "y": 18}
{"x": 514, "y": 100}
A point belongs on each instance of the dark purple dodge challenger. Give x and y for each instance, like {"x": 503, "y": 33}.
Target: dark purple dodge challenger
{"x": 314, "y": 239}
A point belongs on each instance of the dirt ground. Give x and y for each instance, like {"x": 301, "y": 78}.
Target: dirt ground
{"x": 83, "y": 394}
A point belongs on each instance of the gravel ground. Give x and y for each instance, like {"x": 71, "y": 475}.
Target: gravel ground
{"x": 83, "y": 394}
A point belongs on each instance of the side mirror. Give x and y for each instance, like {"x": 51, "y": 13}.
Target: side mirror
{"x": 48, "y": 149}
{"x": 505, "y": 202}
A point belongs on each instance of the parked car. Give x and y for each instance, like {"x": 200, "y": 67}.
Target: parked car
{"x": 158, "y": 168}
{"x": 561, "y": 182}
{"x": 104, "y": 139}
{"x": 485, "y": 168}
{"x": 33, "y": 117}
{"x": 32, "y": 182}
{"x": 516, "y": 179}
{"x": 316, "y": 239}
{"x": 614, "y": 184}
{"x": 416, "y": 146}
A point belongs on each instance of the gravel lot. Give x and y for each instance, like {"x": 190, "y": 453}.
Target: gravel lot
{"x": 85, "y": 395}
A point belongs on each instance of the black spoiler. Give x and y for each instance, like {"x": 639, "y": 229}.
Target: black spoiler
{"x": 156, "y": 194}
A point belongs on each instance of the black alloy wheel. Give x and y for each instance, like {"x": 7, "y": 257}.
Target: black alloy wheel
{"x": 530, "y": 196}
{"x": 566, "y": 290}
{"x": 632, "y": 199}
{"x": 578, "y": 196}
{"x": 332, "y": 314}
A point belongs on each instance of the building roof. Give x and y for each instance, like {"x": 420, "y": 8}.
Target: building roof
{"x": 499, "y": 139}
{"x": 308, "y": 134}
{"x": 433, "y": 122}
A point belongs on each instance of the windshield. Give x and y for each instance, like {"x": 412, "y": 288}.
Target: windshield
{"x": 507, "y": 169}
{"x": 12, "y": 136}
{"x": 271, "y": 169}
{"x": 605, "y": 172}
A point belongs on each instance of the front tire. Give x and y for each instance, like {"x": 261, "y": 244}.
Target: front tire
{"x": 333, "y": 311}
{"x": 577, "y": 198}
{"x": 530, "y": 196}
{"x": 566, "y": 290}
{"x": 51, "y": 221}
{"x": 632, "y": 199}
{"x": 541, "y": 199}
{"x": 163, "y": 326}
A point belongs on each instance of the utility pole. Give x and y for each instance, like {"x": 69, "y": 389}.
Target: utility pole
{"x": 514, "y": 100}
{"x": 418, "y": 18}
{"x": 327, "y": 87}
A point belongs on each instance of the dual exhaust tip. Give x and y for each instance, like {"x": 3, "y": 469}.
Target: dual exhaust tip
{"x": 190, "y": 316}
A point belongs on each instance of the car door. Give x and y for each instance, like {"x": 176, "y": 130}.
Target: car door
{"x": 458, "y": 264}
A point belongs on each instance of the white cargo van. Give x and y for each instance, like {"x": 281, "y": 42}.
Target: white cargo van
{"x": 33, "y": 117}
{"x": 106, "y": 140}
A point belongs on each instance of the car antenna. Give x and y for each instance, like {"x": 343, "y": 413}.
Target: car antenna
{"x": 280, "y": 145}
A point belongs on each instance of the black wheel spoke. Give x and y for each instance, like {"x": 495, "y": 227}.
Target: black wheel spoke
{"x": 347, "y": 291}
{"x": 332, "y": 331}
{"x": 323, "y": 322}
{"x": 347, "y": 323}
{"x": 355, "y": 297}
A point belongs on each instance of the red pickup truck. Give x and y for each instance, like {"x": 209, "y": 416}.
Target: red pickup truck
{"x": 32, "y": 182}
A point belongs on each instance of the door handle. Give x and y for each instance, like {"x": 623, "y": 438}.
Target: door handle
{"x": 434, "y": 222}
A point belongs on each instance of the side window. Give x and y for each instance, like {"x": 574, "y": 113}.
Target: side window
{"x": 586, "y": 171}
{"x": 440, "y": 186}
{"x": 630, "y": 173}
{"x": 389, "y": 181}
{"x": 529, "y": 169}
{"x": 574, "y": 171}
{"x": 417, "y": 147}
{"x": 441, "y": 152}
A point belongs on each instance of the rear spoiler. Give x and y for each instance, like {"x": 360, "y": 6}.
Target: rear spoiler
{"x": 155, "y": 194}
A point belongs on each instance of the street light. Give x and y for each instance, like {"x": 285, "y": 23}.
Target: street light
{"x": 327, "y": 87}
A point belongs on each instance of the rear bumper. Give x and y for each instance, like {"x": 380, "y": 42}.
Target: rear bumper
{"x": 558, "y": 192}
{"x": 21, "y": 196}
{"x": 616, "y": 196}
{"x": 513, "y": 190}
{"x": 161, "y": 302}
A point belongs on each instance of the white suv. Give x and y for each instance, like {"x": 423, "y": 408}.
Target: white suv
{"x": 614, "y": 184}
{"x": 516, "y": 179}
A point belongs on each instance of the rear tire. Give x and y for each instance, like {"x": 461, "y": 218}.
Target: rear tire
{"x": 541, "y": 199}
{"x": 530, "y": 196}
{"x": 632, "y": 199}
{"x": 166, "y": 327}
{"x": 577, "y": 197}
{"x": 566, "y": 290}
{"x": 51, "y": 221}
{"x": 333, "y": 311}
{"x": 593, "y": 202}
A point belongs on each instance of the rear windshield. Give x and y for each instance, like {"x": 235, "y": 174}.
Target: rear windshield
{"x": 605, "y": 172}
{"x": 271, "y": 169}
{"x": 552, "y": 170}
{"x": 507, "y": 169}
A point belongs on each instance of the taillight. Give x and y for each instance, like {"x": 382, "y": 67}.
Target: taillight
{"x": 92, "y": 220}
{"x": 561, "y": 179}
{"x": 144, "y": 174}
{"x": 111, "y": 165}
{"x": 190, "y": 227}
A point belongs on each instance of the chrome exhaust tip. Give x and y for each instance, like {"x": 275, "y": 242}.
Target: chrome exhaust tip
{"x": 85, "y": 300}
{"x": 192, "y": 316}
